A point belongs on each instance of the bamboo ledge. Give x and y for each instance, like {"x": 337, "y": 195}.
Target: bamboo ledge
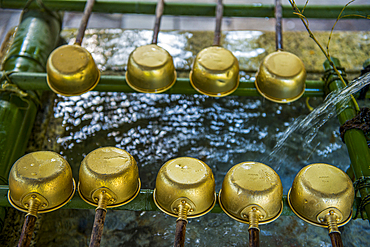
{"x": 109, "y": 83}
{"x": 144, "y": 202}
{"x": 193, "y": 9}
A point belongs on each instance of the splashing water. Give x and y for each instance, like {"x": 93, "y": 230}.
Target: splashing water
{"x": 308, "y": 127}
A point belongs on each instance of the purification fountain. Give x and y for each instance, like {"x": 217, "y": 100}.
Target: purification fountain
{"x": 156, "y": 128}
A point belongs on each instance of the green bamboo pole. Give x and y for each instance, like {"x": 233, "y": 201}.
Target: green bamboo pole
{"x": 193, "y": 9}
{"x": 354, "y": 138}
{"x": 36, "y": 36}
{"x": 143, "y": 202}
{"x": 110, "y": 83}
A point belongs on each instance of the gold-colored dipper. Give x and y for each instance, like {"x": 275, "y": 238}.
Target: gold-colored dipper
{"x": 185, "y": 188}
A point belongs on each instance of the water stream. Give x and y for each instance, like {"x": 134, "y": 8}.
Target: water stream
{"x": 301, "y": 133}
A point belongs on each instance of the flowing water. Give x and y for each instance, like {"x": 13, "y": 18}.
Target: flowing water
{"x": 301, "y": 134}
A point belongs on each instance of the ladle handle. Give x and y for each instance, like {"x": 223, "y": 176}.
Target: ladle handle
{"x": 158, "y": 17}
{"x": 85, "y": 18}
{"x": 27, "y": 231}
{"x": 278, "y": 25}
{"x": 336, "y": 239}
{"x": 219, "y": 13}
{"x": 180, "y": 233}
{"x": 97, "y": 230}
{"x": 254, "y": 237}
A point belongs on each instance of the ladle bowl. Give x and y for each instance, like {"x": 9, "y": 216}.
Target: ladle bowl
{"x": 71, "y": 70}
{"x": 42, "y": 175}
{"x": 109, "y": 170}
{"x": 251, "y": 185}
{"x": 318, "y": 189}
{"x": 185, "y": 179}
{"x": 281, "y": 77}
{"x": 215, "y": 72}
{"x": 150, "y": 69}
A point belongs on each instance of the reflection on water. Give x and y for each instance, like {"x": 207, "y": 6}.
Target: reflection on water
{"x": 220, "y": 131}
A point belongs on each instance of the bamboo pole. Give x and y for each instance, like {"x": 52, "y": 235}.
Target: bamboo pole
{"x": 113, "y": 83}
{"x": 194, "y": 9}
{"x": 39, "y": 30}
{"x": 354, "y": 138}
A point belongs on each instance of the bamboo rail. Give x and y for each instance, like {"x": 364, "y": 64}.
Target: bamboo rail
{"x": 143, "y": 202}
{"x": 193, "y": 9}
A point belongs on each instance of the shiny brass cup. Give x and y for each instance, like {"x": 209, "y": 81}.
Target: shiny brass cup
{"x": 320, "y": 190}
{"x": 71, "y": 70}
{"x": 40, "y": 182}
{"x": 185, "y": 184}
{"x": 109, "y": 177}
{"x": 281, "y": 77}
{"x": 150, "y": 69}
{"x": 252, "y": 189}
{"x": 215, "y": 72}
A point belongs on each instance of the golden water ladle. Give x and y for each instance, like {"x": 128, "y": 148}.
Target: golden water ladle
{"x": 322, "y": 195}
{"x": 185, "y": 188}
{"x": 109, "y": 177}
{"x": 215, "y": 70}
{"x": 71, "y": 70}
{"x": 150, "y": 68}
{"x": 281, "y": 76}
{"x": 252, "y": 193}
{"x": 39, "y": 182}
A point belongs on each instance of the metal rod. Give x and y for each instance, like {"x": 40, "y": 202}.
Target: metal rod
{"x": 336, "y": 239}
{"x": 85, "y": 19}
{"x": 27, "y": 231}
{"x": 219, "y": 13}
{"x": 110, "y": 83}
{"x": 278, "y": 25}
{"x": 158, "y": 17}
{"x": 180, "y": 233}
{"x": 195, "y": 9}
{"x": 98, "y": 227}
{"x": 254, "y": 237}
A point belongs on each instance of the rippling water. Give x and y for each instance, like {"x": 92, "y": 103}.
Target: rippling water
{"x": 155, "y": 128}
